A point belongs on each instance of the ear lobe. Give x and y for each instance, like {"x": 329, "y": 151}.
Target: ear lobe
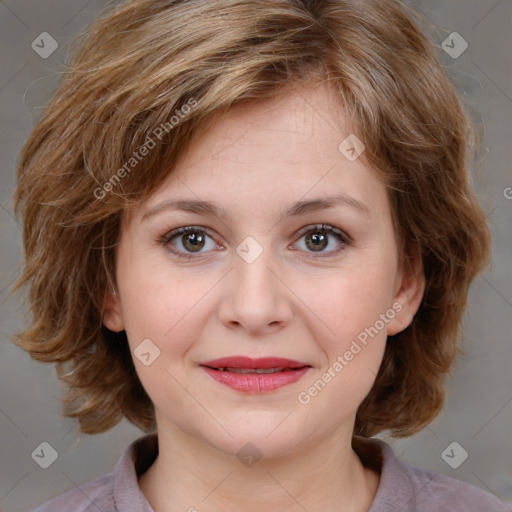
{"x": 112, "y": 317}
{"x": 407, "y": 300}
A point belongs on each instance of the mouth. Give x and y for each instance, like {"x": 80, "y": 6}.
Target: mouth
{"x": 255, "y": 375}
{"x": 256, "y": 370}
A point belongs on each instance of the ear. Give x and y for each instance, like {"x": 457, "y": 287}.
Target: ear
{"x": 409, "y": 289}
{"x": 112, "y": 317}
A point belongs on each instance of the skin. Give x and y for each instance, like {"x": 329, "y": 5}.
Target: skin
{"x": 293, "y": 301}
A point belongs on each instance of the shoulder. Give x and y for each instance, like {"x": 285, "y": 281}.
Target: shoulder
{"x": 409, "y": 489}
{"x": 435, "y": 491}
{"x": 114, "y": 492}
{"x": 90, "y": 497}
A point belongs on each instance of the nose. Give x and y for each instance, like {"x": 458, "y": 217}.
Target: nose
{"x": 256, "y": 297}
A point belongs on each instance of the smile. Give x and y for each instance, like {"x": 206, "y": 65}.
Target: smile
{"x": 251, "y": 370}
{"x": 255, "y": 375}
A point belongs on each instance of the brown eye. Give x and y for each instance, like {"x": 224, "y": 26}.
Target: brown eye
{"x": 317, "y": 241}
{"x": 192, "y": 240}
{"x": 320, "y": 237}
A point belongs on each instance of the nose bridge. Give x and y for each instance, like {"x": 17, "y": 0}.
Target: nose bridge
{"x": 257, "y": 298}
{"x": 252, "y": 269}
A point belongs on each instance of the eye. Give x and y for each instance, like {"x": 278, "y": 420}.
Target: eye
{"x": 317, "y": 238}
{"x": 192, "y": 240}
{"x": 195, "y": 238}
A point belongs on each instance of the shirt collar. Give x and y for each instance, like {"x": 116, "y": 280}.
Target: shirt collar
{"x": 137, "y": 457}
{"x": 395, "y": 491}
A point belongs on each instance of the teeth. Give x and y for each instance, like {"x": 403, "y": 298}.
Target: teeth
{"x": 252, "y": 370}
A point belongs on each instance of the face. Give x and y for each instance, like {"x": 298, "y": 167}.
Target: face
{"x": 272, "y": 273}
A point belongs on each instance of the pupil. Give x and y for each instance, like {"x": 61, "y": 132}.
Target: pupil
{"x": 319, "y": 241}
{"x": 194, "y": 240}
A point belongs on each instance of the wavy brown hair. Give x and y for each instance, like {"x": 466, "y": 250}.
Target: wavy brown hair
{"x": 142, "y": 61}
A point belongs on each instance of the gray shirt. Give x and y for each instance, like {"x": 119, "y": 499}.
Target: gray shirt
{"x": 402, "y": 488}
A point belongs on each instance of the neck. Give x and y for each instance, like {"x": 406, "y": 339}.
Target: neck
{"x": 189, "y": 474}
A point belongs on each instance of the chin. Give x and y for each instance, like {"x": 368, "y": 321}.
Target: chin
{"x": 267, "y": 435}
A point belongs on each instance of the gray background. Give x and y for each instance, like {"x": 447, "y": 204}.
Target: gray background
{"x": 478, "y": 409}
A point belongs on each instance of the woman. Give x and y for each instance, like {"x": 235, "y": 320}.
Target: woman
{"x": 264, "y": 233}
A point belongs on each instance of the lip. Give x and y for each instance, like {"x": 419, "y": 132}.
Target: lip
{"x": 254, "y": 382}
{"x": 249, "y": 363}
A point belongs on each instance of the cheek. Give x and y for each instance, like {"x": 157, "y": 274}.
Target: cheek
{"x": 351, "y": 301}
{"x": 352, "y": 337}
{"x": 156, "y": 298}
{"x": 350, "y": 323}
{"x": 164, "y": 309}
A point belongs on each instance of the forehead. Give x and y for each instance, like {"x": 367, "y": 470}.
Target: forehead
{"x": 272, "y": 153}
{"x": 292, "y": 124}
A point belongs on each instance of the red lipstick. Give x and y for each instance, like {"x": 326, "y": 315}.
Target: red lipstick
{"x": 255, "y": 375}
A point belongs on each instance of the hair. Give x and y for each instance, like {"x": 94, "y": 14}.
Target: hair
{"x": 178, "y": 65}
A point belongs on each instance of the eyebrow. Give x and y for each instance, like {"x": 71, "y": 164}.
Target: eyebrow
{"x": 298, "y": 208}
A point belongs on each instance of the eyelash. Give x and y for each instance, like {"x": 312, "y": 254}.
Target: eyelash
{"x": 340, "y": 235}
